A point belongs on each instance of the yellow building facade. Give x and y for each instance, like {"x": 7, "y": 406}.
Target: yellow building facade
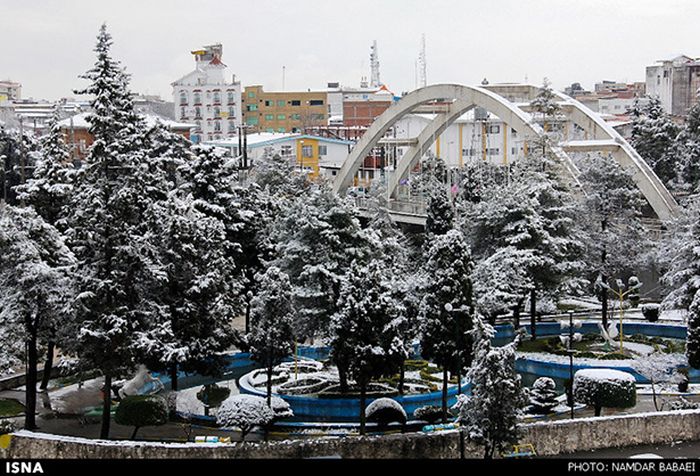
{"x": 283, "y": 111}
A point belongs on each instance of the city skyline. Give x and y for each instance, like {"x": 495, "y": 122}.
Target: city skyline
{"x": 316, "y": 45}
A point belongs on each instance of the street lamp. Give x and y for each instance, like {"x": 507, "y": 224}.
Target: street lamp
{"x": 301, "y": 156}
{"x": 568, "y": 339}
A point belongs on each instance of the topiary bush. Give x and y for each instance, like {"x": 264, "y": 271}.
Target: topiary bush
{"x": 605, "y": 388}
{"x": 384, "y": 411}
{"x": 142, "y": 410}
{"x": 651, "y": 312}
{"x": 244, "y": 412}
{"x": 543, "y": 396}
{"x": 430, "y": 413}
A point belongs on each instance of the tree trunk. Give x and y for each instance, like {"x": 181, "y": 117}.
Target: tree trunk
{"x": 343, "y": 379}
{"x": 598, "y": 409}
{"x": 173, "y": 377}
{"x": 516, "y": 314}
{"x": 363, "y": 401}
{"x": 459, "y": 382}
{"x": 604, "y": 310}
{"x": 30, "y": 393}
{"x": 488, "y": 452}
{"x": 603, "y": 278}
{"x": 48, "y": 366}
{"x": 106, "y": 407}
{"x": 653, "y": 393}
{"x": 533, "y": 314}
{"x": 462, "y": 454}
{"x": 402, "y": 372}
{"x": 269, "y": 385}
{"x": 247, "y": 314}
{"x": 133, "y": 435}
{"x": 444, "y": 394}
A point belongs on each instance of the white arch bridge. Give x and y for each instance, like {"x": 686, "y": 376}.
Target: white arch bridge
{"x": 511, "y": 104}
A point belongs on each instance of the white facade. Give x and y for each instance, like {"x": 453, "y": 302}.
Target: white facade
{"x": 203, "y": 97}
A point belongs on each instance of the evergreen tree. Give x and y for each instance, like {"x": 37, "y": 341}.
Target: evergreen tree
{"x": 440, "y": 212}
{"x": 279, "y": 176}
{"x": 611, "y": 227}
{"x": 692, "y": 342}
{"x": 682, "y": 245}
{"x": 543, "y": 396}
{"x": 534, "y": 213}
{"x": 106, "y": 229}
{"x": 653, "y": 136}
{"x": 546, "y": 104}
{"x": 48, "y": 191}
{"x": 367, "y": 330}
{"x": 446, "y": 308}
{"x": 316, "y": 239}
{"x": 35, "y": 289}
{"x": 272, "y": 338}
{"x": 687, "y": 150}
{"x": 193, "y": 291}
{"x": 490, "y": 415}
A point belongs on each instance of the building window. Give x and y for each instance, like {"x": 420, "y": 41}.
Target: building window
{"x": 183, "y": 98}
{"x": 307, "y": 151}
{"x": 286, "y": 150}
{"x": 252, "y": 107}
{"x": 269, "y": 103}
{"x": 281, "y": 103}
{"x": 281, "y": 129}
{"x": 316, "y": 102}
{"x": 281, "y": 117}
{"x": 295, "y": 117}
{"x": 467, "y": 152}
{"x": 231, "y": 126}
{"x": 197, "y": 98}
{"x": 322, "y": 150}
{"x": 217, "y": 111}
{"x": 494, "y": 151}
{"x": 252, "y": 121}
{"x": 269, "y": 117}
{"x": 251, "y": 95}
{"x": 183, "y": 112}
{"x": 317, "y": 117}
{"x": 232, "y": 111}
{"x": 217, "y": 97}
{"x": 231, "y": 97}
{"x": 295, "y": 102}
{"x": 198, "y": 112}
{"x": 493, "y": 129}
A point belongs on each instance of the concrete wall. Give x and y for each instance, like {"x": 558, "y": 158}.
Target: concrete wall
{"x": 554, "y": 438}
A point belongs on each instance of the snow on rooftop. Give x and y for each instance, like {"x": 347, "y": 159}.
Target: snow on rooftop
{"x": 79, "y": 121}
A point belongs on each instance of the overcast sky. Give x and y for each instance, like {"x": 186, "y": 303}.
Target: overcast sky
{"x": 47, "y": 43}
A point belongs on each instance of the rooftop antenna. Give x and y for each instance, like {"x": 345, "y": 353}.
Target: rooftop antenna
{"x": 375, "y": 82}
{"x": 284, "y": 73}
{"x": 422, "y": 65}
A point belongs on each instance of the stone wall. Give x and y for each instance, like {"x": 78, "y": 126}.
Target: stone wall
{"x": 552, "y": 438}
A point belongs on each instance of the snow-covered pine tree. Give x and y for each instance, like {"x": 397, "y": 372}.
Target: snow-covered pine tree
{"x": 543, "y": 396}
{"x": 490, "y": 415}
{"x": 51, "y": 182}
{"x": 611, "y": 228}
{"x": 440, "y": 211}
{"x": 653, "y": 136}
{"x": 692, "y": 342}
{"x": 168, "y": 150}
{"x": 106, "y": 230}
{"x": 279, "y": 176}
{"x": 545, "y": 103}
{"x": 687, "y": 150}
{"x": 316, "y": 238}
{"x": 271, "y": 338}
{"x": 193, "y": 291}
{"x": 534, "y": 213}
{"x": 367, "y": 330}
{"x": 681, "y": 251}
{"x": 446, "y": 309}
{"x": 35, "y": 289}
{"x": 47, "y": 191}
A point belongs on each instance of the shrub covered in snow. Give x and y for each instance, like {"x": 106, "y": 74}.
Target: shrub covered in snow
{"x": 651, "y": 312}
{"x": 281, "y": 408}
{"x": 429, "y": 413}
{"x": 142, "y": 410}
{"x": 605, "y": 388}
{"x": 7, "y": 426}
{"x": 543, "y": 396}
{"x": 385, "y": 411}
{"x": 244, "y": 412}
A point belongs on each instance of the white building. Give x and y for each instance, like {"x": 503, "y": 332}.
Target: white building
{"x": 315, "y": 154}
{"x": 204, "y": 98}
{"x": 676, "y": 82}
